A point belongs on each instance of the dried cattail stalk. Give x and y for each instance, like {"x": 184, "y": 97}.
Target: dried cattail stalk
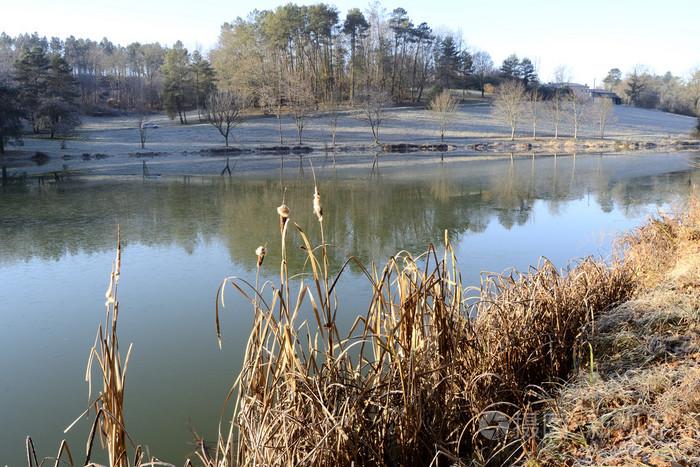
{"x": 260, "y": 251}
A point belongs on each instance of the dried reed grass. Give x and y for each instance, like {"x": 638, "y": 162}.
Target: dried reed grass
{"x": 408, "y": 383}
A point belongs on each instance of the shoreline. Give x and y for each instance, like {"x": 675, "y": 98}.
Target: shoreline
{"x": 346, "y": 158}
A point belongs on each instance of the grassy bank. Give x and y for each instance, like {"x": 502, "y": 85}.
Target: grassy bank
{"x": 436, "y": 372}
{"x": 640, "y": 403}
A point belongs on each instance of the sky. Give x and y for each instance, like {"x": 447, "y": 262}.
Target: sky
{"x": 588, "y": 37}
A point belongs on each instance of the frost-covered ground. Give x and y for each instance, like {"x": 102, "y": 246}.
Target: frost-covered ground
{"x": 113, "y": 142}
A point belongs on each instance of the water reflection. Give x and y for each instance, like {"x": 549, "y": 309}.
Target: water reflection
{"x": 369, "y": 216}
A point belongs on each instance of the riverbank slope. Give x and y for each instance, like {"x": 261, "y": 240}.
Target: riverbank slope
{"x": 640, "y": 403}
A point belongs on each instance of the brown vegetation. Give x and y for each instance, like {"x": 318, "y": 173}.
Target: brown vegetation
{"x": 638, "y": 403}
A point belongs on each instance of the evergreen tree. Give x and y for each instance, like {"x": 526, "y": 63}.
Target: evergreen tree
{"x": 635, "y": 86}
{"x": 448, "y": 62}
{"x": 177, "y": 88}
{"x": 355, "y": 26}
{"x": 202, "y": 80}
{"x": 30, "y": 75}
{"x": 528, "y": 73}
{"x": 10, "y": 115}
{"x": 511, "y": 67}
{"x": 466, "y": 66}
{"x": 613, "y": 78}
{"x": 58, "y": 108}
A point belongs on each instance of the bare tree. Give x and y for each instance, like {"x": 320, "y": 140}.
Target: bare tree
{"x": 556, "y": 110}
{"x": 374, "y": 104}
{"x": 271, "y": 95}
{"x": 301, "y": 101}
{"x": 142, "y": 131}
{"x": 332, "y": 108}
{"x": 534, "y": 109}
{"x": 603, "y": 113}
{"x": 579, "y": 106}
{"x": 562, "y": 75}
{"x": 482, "y": 66}
{"x": 443, "y": 106}
{"x": 224, "y": 111}
{"x": 508, "y": 103}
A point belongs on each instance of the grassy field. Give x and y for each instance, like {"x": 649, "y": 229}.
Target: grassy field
{"x": 110, "y": 145}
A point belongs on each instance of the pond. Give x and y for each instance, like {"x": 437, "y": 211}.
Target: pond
{"x": 183, "y": 235}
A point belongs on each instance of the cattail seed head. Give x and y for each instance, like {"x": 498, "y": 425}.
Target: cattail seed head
{"x": 318, "y": 209}
{"x": 260, "y": 252}
{"x": 283, "y": 211}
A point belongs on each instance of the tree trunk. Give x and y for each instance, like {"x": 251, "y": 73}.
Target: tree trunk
{"x": 2, "y": 146}
{"x": 279, "y": 123}
{"x": 512, "y": 133}
{"x": 352, "y": 69}
{"x": 226, "y": 139}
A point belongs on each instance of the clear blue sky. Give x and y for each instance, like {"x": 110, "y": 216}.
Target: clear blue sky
{"x": 589, "y": 37}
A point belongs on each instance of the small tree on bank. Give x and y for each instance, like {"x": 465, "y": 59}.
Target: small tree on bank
{"x": 603, "y": 113}
{"x": 301, "y": 102}
{"x": 443, "y": 106}
{"x": 579, "y": 106}
{"x": 534, "y": 109}
{"x": 508, "y": 103}
{"x": 374, "y": 104}
{"x": 555, "y": 110}
{"x": 332, "y": 108}
{"x": 224, "y": 111}
{"x": 142, "y": 132}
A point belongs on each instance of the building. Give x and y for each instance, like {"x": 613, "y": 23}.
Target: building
{"x": 584, "y": 90}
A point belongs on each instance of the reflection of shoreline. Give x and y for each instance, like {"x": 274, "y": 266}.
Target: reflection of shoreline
{"x": 370, "y": 217}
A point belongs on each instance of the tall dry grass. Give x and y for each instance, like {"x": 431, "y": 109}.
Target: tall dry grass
{"x": 109, "y": 366}
{"x": 407, "y": 385}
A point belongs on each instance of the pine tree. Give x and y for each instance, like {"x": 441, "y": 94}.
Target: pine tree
{"x": 635, "y": 86}
{"x": 356, "y": 27}
{"x": 10, "y": 115}
{"x": 511, "y": 67}
{"x": 202, "y": 81}
{"x": 177, "y": 86}
{"x": 30, "y": 74}
{"x": 528, "y": 72}
{"x": 448, "y": 62}
{"x": 58, "y": 109}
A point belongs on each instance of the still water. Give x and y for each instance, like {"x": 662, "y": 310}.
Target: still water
{"x": 182, "y": 236}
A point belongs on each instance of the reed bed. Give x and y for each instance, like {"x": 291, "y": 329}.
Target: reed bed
{"x": 409, "y": 383}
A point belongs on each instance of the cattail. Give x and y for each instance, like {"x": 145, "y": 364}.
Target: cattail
{"x": 318, "y": 210}
{"x": 260, "y": 252}
{"x": 283, "y": 212}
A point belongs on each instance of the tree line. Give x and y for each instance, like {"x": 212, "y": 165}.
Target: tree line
{"x": 642, "y": 88}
